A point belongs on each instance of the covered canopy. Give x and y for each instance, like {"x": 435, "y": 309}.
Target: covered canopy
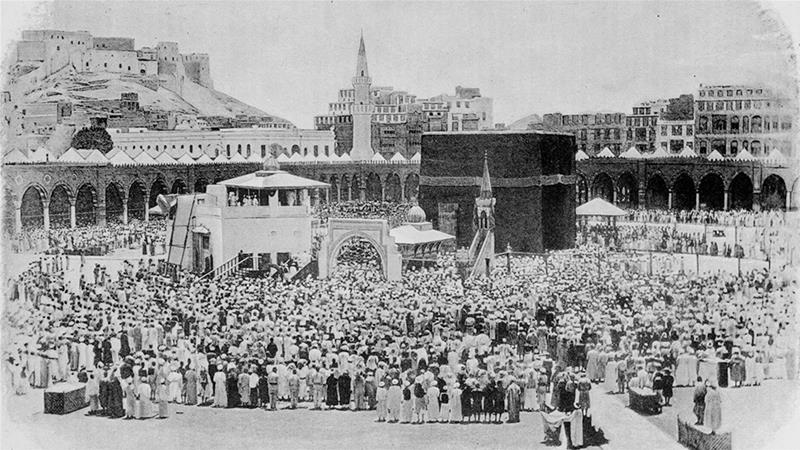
{"x": 581, "y": 155}
{"x": 715, "y": 156}
{"x": 121, "y": 159}
{"x": 397, "y": 157}
{"x": 776, "y": 156}
{"x": 93, "y": 156}
{"x": 71, "y": 156}
{"x": 744, "y": 155}
{"x": 659, "y": 153}
{"x": 687, "y": 153}
{"x": 631, "y": 153}
{"x": 277, "y": 179}
{"x": 606, "y": 153}
{"x": 15, "y": 156}
{"x": 598, "y": 207}
{"x": 204, "y": 159}
{"x": 377, "y": 157}
{"x": 417, "y": 157}
{"x": 408, "y": 235}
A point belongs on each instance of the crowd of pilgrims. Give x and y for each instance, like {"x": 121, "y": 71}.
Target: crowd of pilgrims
{"x": 432, "y": 348}
{"x": 393, "y": 212}
{"x": 93, "y": 240}
{"x": 739, "y": 217}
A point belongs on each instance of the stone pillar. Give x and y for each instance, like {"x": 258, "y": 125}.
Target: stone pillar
{"x": 350, "y": 190}
{"x": 46, "y": 214}
{"x": 614, "y": 196}
{"x": 362, "y": 189}
{"x": 383, "y": 189}
{"x": 73, "y": 220}
{"x": 697, "y": 200}
{"x": 100, "y": 211}
{"x": 18, "y": 216}
{"x": 402, "y": 190}
{"x": 641, "y": 200}
{"x": 669, "y": 199}
{"x": 125, "y": 211}
{"x": 147, "y": 205}
{"x": 725, "y": 200}
{"x": 788, "y": 200}
{"x": 757, "y": 199}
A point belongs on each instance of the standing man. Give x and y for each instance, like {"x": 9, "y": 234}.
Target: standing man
{"x": 272, "y": 381}
{"x": 700, "y": 401}
{"x": 294, "y": 389}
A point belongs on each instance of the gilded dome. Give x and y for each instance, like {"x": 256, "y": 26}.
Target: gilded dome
{"x": 416, "y": 215}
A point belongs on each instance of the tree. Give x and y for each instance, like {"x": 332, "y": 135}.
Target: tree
{"x": 93, "y": 138}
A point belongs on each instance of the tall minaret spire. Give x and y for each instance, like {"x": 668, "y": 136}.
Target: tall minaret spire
{"x": 486, "y": 182}
{"x": 362, "y": 108}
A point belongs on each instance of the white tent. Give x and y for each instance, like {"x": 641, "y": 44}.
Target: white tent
{"x": 95, "y": 156}
{"x": 121, "y": 159}
{"x": 397, "y": 157}
{"x": 153, "y": 152}
{"x": 15, "y": 156}
{"x": 744, "y": 155}
{"x": 296, "y": 157}
{"x": 687, "y": 153}
{"x": 581, "y": 155}
{"x": 378, "y": 158}
{"x": 185, "y": 159}
{"x": 144, "y": 159}
{"x": 606, "y": 153}
{"x": 71, "y": 156}
{"x": 307, "y": 158}
{"x": 40, "y": 154}
{"x": 659, "y": 153}
{"x": 775, "y": 156}
{"x": 631, "y": 153}
{"x": 165, "y": 158}
{"x": 237, "y": 158}
{"x": 254, "y": 157}
{"x": 204, "y": 159}
{"x": 715, "y": 156}
{"x": 282, "y": 157}
{"x": 323, "y": 158}
{"x": 113, "y": 152}
{"x": 345, "y": 157}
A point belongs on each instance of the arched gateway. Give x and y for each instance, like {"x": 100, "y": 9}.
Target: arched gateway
{"x": 374, "y": 231}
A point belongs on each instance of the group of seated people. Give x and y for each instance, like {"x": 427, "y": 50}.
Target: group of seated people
{"x": 393, "y": 212}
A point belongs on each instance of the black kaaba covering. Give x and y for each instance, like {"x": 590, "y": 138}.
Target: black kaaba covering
{"x": 531, "y": 215}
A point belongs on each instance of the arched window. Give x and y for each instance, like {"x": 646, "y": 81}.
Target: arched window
{"x": 755, "y": 148}
{"x": 702, "y": 124}
{"x": 316, "y": 151}
{"x": 766, "y": 124}
{"x": 745, "y": 145}
{"x": 191, "y": 148}
{"x": 745, "y": 124}
{"x": 228, "y": 150}
{"x": 156, "y": 148}
{"x": 239, "y": 149}
{"x": 735, "y": 124}
{"x": 703, "y": 147}
{"x": 755, "y": 124}
{"x": 734, "y": 147}
{"x": 248, "y": 150}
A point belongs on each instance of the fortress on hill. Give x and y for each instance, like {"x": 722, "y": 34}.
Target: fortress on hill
{"x": 46, "y": 52}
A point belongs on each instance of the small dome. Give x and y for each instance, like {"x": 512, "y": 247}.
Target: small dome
{"x": 416, "y": 215}
{"x": 271, "y": 164}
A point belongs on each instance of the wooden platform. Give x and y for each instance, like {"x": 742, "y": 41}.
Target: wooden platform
{"x": 700, "y": 437}
{"x": 643, "y": 401}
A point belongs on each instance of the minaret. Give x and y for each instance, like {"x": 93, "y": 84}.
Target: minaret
{"x": 362, "y": 109}
{"x": 484, "y": 204}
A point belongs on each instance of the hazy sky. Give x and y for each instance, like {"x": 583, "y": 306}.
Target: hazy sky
{"x": 290, "y": 59}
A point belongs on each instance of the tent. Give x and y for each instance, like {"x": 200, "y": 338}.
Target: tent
{"x": 204, "y": 159}
{"x": 597, "y": 207}
{"x": 715, "y": 156}
{"x": 345, "y": 157}
{"x": 323, "y": 158}
{"x": 113, "y": 152}
{"x": 417, "y": 157}
{"x": 377, "y": 158}
{"x": 687, "y": 153}
{"x": 775, "y": 156}
{"x": 144, "y": 159}
{"x": 71, "y": 156}
{"x": 41, "y": 154}
{"x": 165, "y": 158}
{"x": 121, "y": 159}
{"x": 606, "y": 153}
{"x": 237, "y": 158}
{"x": 282, "y": 158}
{"x": 14, "y": 157}
{"x": 185, "y": 159}
{"x": 631, "y": 153}
{"x": 744, "y": 155}
{"x": 659, "y": 153}
{"x": 398, "y": 158}
{"x": 296, "y": 157}
{"x": 581, "y": 155}
{"x": 407, "y": 234}
{"x": 254, "y": 157}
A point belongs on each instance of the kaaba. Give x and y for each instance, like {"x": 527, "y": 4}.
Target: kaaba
{"x": 533, "y": 181}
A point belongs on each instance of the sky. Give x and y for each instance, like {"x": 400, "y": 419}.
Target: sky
{"x": 290, "y": 59}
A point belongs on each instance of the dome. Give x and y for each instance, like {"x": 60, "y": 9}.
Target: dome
{"x": 271, "y": 164}
{"x": 416, "y": 215}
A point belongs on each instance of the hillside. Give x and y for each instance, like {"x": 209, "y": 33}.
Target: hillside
{"x": 81, "y": 89}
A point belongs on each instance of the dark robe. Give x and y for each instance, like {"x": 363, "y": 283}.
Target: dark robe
{"x": 124, "y": 346}
{"x": 466, "y": 402}
{"x": 103, "y": 395}
{"x": 332, "y": 398}
{"x": 499, "y": 400}
{"x": 233, "y": 390}
{"x": 344, "y": 389}
{"x": 115, "y": 402}
{"x": 668, "y": 381}
{"x": 263, "y": 389}
{"x": 107, "y": 358}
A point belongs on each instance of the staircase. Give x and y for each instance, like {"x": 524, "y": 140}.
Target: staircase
{"x": 310, "y": 269}
{"x": 232, "y": 266}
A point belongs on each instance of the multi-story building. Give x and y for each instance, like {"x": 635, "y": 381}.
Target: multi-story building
{"x": 732, "y": 118}
{"x": 675, "y": 129}
{"x": 593, "y": 132}
{"x": 641, "y": 125}
{"x": 399, "y": 118}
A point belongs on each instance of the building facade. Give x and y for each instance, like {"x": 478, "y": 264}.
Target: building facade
{"x": 675, "y": 135}
{"x": 642, "y": 123}
{"x": 593, "y": 132}
{"x": 732, "y": 118}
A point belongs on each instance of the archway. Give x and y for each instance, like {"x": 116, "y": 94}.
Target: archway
{"x": 346, "y": 195}
{"x": 657, "y": 193}
{"x": 334, "y": 190}
{"x": 136, "y": 201}
{"x": 773, "y": 193}
{"x": 740, "y": 193}
{"x": 59, "y": 207}
{"x": 86, "y": 206}
{"x": 355, "y": 187}
{"x": 295, "y": 149}
{"x": 374, "y": 188}
{"x": 178, "y": 187}
{"x": 200, "y": 185}
{"x": 683, "y": 192}
{"x": 32, "y": 208}
{"x": 114, "y": 209}
{"x": 627, "y": 191}
{"x": 393, "y": 189}
{"x": 412, "y": 186}
{"x": 159, "y": 187}
{"x": 712, "y": 191}
{"x": 367, "y": 235}
{"x": 581, "y": 190}
{"x": 603, "y": 187}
